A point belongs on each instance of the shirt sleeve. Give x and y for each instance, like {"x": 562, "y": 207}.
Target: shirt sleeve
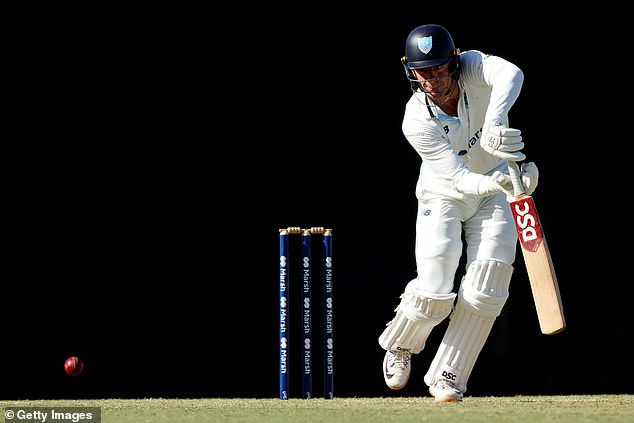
{"x": 426, "y": 135}
{"x": 504, "y": 78}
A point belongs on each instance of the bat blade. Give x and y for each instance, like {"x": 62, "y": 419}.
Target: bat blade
{"x": 539, "y": 265}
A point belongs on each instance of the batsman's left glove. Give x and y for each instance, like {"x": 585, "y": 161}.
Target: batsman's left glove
{"x": 502, "y": 141}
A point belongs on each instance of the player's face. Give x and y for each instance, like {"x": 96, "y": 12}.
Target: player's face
{"x": 434, "y": 80}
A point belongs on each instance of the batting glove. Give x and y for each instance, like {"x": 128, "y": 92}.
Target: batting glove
{"x": 502, "y": 142}
{"x": 530, "y": 177}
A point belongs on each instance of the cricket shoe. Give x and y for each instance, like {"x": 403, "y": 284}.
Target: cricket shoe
{"x": 396, "y": 368}
{"x": 444, "y": 391}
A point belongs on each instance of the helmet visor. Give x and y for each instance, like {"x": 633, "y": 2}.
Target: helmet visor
{"x": 422, "y": 64}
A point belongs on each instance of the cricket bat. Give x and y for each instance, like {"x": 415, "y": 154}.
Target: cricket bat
{"x": 539, "y": 265}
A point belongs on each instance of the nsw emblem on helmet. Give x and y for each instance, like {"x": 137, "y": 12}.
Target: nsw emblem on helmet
{"x": 424, "y": 44}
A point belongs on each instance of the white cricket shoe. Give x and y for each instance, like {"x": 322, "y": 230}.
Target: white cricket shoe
{"x": 396, "y": 368}
{"x": 444, "y": 391}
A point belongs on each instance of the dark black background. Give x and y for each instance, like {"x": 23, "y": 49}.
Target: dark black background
{"x": 158, "y": 152}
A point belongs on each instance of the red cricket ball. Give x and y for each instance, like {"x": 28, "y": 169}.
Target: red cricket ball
{"x": 73, "y": 366}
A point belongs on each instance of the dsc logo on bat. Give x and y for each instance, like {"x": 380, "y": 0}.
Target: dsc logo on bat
{"x": 527, "y": 223}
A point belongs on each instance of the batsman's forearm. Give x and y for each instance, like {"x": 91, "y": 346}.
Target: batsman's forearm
{"x": 475, "y": 183}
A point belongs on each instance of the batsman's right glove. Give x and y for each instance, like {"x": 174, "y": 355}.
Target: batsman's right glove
{"x": 530, "y": 178}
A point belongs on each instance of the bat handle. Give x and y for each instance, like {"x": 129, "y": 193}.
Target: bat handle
{"x": 516, "y": 179}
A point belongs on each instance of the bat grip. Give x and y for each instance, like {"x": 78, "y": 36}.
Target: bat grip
{"x": 516, "y": 179}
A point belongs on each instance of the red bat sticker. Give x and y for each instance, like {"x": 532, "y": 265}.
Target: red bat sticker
{"x": 527, "y": 223}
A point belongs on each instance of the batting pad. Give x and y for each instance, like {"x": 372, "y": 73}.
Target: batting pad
{"x": 416, "y": 316}
{"x": 482, "y": 294}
